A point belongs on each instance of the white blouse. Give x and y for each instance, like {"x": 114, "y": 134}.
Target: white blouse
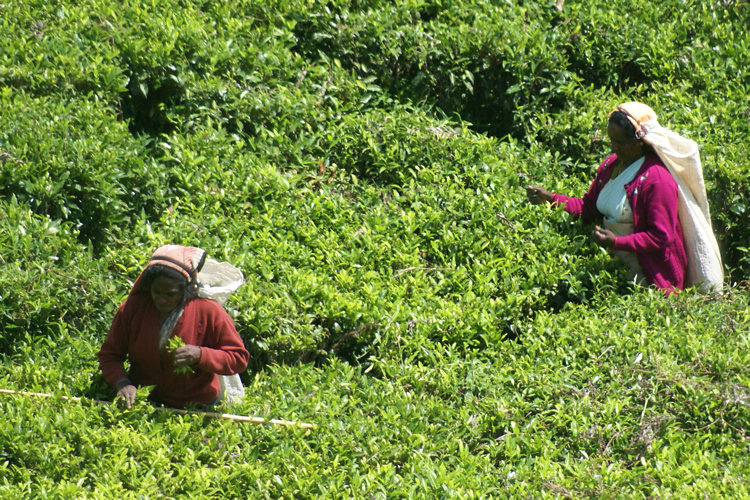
{"x": 612, "y": 201}
{"x": 618, "y": 215}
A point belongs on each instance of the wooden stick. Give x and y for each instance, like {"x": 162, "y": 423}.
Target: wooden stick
{"x": 212, "y": 414}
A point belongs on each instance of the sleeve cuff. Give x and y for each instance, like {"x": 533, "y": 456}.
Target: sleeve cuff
{"x": 615, "y": 245}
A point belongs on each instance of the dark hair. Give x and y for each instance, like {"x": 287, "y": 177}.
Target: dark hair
{"x": 620, "y": 118}
{"x": 157, "y": 270}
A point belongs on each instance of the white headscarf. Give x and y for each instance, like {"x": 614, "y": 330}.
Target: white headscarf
{"x": 681, "y": 157}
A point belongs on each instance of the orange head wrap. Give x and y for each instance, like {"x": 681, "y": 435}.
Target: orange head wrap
{"x": 185, "y": 260}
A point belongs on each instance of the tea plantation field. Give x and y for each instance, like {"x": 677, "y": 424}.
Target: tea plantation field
{"x": 364, "y": 164}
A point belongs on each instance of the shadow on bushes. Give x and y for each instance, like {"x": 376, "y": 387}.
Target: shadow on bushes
{"x": 145, "y": 105}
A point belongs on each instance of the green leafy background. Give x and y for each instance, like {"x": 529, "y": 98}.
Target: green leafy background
{"x": 364, "y": 164}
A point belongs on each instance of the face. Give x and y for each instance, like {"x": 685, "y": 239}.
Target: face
{"x": 623, "y": 144}
{"x": 166, "y": 294}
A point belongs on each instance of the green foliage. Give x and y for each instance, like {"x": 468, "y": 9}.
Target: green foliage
{"x": 364, "y": 163}
{"x": 480, "y": 61}
{"x": 49, "y": 281}
{"x": 58, "y": 159}
{"x": 175, "y": 343}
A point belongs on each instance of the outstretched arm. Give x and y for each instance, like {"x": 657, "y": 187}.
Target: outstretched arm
{"x": 538, "y": 195}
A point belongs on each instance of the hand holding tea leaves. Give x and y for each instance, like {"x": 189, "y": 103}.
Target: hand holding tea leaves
{"x": 128, "y": 394}
{"x": 185, "y": 355}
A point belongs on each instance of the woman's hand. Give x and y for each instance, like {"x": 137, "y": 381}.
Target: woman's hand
{"x": 127, "y": 394}
{"x": 538, "y": 195}
{"x": 603, "y": 237}
{"x": 187, "y": 355}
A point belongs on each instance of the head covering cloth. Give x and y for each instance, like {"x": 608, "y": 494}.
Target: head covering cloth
{"x": 682, "y": 158}
{"x": 188, "y": 261}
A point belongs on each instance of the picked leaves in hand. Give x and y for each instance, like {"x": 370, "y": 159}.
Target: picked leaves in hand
{"x": 174, "y": 344}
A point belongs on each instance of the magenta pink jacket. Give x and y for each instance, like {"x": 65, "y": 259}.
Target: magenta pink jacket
{"x": 657, "y": 237}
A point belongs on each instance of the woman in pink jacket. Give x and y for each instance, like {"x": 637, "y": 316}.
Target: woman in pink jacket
{"x": 636, "y": 198}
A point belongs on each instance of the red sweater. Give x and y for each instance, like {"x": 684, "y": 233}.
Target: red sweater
{"x": 657, "y": 235}
{"x": 134, "y": 335}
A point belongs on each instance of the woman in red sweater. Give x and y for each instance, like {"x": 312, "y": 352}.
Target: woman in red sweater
{"x": 164, "y": 304}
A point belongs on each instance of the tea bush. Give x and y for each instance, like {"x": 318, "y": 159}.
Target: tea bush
{"x": 56, "y": 48}
{"x": 58, "y": 160}
{"x": 49, "y": 281}
{"x": 480, "y": 62}
{"x": 364, "y": 164}
{"x": 638, "y": 403}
